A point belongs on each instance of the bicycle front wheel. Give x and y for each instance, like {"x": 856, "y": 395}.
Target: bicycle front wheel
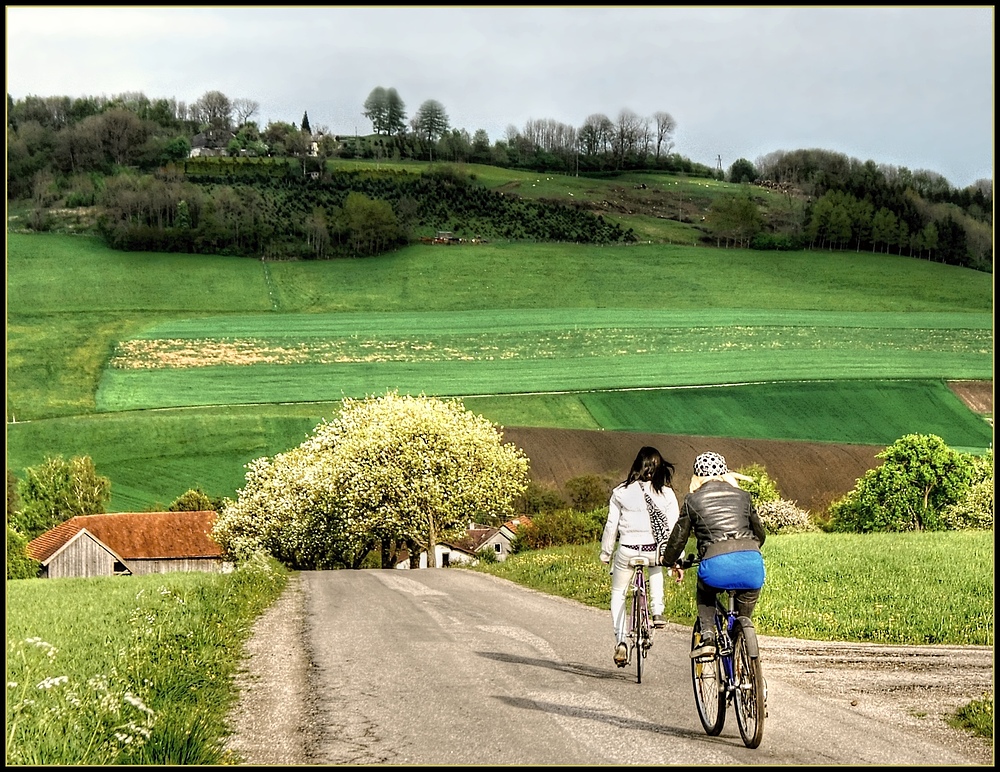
{"x": 706, "y": 676}
{"x": 749, "y": 697}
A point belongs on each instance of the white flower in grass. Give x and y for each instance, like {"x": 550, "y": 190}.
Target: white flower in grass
{"x": 50, "y": 650}
{"x": 51, "y": 681}
{"x": 137, "y": 702}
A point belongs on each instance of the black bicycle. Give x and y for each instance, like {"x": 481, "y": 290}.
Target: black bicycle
{"x": 731, "y": 676}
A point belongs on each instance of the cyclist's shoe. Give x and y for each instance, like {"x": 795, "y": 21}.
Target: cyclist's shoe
{"x": 621, "y": 654}
{"x": 706, "y": 648}
{"x": 659, "y": 621}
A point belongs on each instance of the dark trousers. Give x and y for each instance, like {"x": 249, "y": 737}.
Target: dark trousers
{"x": 705, "y": 597}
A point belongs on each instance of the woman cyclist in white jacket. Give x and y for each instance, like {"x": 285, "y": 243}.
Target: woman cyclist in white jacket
{"x": 636, "y": 505}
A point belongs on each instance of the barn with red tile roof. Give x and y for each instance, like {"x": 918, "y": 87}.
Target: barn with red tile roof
{"x": 128, "y": 543}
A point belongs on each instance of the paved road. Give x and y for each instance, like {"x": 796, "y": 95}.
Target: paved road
{"x": 446, "y": 666}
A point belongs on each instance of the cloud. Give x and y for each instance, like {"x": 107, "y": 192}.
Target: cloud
{"x": 910, "y": 86}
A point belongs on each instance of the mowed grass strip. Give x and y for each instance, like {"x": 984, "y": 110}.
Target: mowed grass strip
{"x": 236, "y": 385}
{"x": 331, "y": 356}
{"x": 58, "y": 275}
{"x": 654, "y": 276}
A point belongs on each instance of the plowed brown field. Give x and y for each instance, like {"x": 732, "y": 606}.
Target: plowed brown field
{"x": 813, "y": 474}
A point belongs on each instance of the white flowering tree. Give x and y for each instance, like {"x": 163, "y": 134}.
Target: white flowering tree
{"x": 389, "y": 470}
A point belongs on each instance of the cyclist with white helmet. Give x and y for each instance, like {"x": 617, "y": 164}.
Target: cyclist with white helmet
{"x": 729, "y": 535}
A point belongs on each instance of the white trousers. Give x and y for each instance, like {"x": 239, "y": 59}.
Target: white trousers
{"x": 621, "y": 574}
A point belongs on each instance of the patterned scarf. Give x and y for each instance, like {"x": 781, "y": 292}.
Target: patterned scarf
{"x": 657, "y": 520}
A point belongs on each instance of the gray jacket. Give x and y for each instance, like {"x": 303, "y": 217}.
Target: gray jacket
{"x": 723, "y": 520}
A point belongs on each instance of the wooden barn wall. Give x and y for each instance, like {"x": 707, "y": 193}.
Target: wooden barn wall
{"x": 164, "y": 565}
{"x": 84, "y": 557}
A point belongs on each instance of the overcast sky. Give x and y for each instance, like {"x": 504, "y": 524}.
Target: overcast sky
{"x": 910, "y": 86}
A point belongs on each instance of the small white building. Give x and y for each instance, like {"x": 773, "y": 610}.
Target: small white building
{"x": 466, "y": 550}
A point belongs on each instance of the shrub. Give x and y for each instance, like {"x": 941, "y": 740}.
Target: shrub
{"x": 919, "y": 478}
{"x": 777, "y": 241}
{"x": 974, "y": 511}
{"x": 761, "y": 488}
{"x": 588, "y": 492}
{"x": 195, "y": 500}
{"x": 540, "y": 498}
{"x": 562, "y": 526}
{"x": 781, "y": 516}
{"x": 19, "y": 565}
{"x": 487, "y": 555}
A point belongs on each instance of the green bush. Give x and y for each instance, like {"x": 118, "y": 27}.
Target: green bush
{"x": 588, "y": 492}
{"x": 487, "y": 555}
{"x": 540, "y": 498}
{"x": 920, "y": 477}
{"x": 761, "y": 488}
{"x": 196, "y": 500}
{"x": 559, "y": 527}
{"x": 19, "y": 565}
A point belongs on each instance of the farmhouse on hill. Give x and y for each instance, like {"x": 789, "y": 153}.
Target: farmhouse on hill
{"x": 128, "y": 543}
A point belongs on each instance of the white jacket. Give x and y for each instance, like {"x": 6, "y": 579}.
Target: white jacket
{"x": 628, "y": 518}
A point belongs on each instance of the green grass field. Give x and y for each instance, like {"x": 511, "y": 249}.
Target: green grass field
{"x": 795, "y": 345}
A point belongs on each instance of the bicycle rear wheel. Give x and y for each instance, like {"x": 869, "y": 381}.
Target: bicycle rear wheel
{"x": 749, "y": 697}
{"x": 639, "y": 630}
{"x": 706, "y": 676}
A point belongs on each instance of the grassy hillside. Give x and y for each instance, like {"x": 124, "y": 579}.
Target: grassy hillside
{"x": 114, "y": 354}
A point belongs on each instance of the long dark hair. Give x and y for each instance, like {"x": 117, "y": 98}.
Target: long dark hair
{"x": 650, "y": 465}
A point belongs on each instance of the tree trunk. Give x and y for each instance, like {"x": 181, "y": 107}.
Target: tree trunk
{"x": 414, "y": 553}
{"x": 431, "y": 542}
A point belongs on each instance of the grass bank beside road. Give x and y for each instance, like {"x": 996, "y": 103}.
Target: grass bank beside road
{"x": 128, "y": 670}
{"x": 898, "y": 588}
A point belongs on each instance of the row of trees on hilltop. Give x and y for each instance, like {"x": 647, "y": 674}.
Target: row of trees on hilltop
{"x": 153, "y": 131}
{"x": 60, "y": 150}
